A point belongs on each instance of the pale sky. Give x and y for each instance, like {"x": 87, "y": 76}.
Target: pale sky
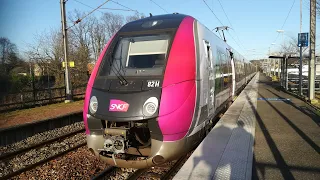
{"x": 254, "y": 22}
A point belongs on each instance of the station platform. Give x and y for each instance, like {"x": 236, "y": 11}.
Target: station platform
{"x": 287, "y": 141}
{"x": 265, "y": 134}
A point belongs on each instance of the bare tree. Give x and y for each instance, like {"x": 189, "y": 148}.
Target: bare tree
{"x": 79, "y": 34}
{"x": 134, "y": 17}
{"x": 9, "y": 55}
{"x": 47, "y": 52}
{"x": 112, "y": 23}
{"x": 85, "y": 41}
{"x": 97, "y": 37}
{"x": 290, "y": 47}
{"x": 79, "y": 47}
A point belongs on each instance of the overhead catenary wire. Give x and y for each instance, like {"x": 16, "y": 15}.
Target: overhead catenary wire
{"x": 124, "y": 6}
{"x": 231, "y": 24}
{"x": 86, "y": 5}
{"x": 213, "y": 12}
{"x": 234, "y": 40}
{"x": 285, "y": 19}
{"x": 80, "y": 19}
{"x": 113, "y": 9}
{"x": 159, "y": 6}
{"x": 225, "y": 13}
{"x": 221, "y": 23}
{"x": 119, "y": 9}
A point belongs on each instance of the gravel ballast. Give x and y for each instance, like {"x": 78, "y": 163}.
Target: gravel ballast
{"x": 35, "y": 155}
{"x": 79, "y": 164}
{"x": 32, "y": 140}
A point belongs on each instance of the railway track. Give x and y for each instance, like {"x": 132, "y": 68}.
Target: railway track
{"x": 25, "y": 149}
{"x": 17, "y": 133}
{"x": 162, "y": 172}
{"x": 45, "y": 146}
{"x": 104, "y": 173}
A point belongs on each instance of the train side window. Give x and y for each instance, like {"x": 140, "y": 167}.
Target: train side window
{"x": 225, "y": 71}
{"x": 217, "y": 68}
{"x": 239, "y": 70}
{"x": 236, "y": 69}
{"x": 229, "y": 69}
{"x": 208, "y": 52}
{"x": 243, "y": 69}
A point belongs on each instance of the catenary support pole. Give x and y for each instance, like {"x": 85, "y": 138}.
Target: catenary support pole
{"x": 300, "y": 61}
{"x": 274, "y": 67}
{"x": 65, "y": 49}
{"x": 282, "y": 72}
{"x": 286, "y": 72}
{"x": 311, "y": 74}
{"x": 279, "y": 66}
{"x": 300, "y": 73}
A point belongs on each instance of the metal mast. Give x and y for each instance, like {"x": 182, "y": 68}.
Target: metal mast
{"x": 65, "y": 49}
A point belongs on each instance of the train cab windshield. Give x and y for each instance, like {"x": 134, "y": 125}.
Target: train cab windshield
{"x": 137, "y": 56}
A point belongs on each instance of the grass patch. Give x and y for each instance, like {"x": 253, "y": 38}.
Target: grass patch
{"x": 40, "y": 110}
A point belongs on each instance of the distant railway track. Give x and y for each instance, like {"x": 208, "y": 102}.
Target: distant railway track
{"x": 18, "y": 133}
{"x": 5, "y": 158}
{"x": 34, "y": 146}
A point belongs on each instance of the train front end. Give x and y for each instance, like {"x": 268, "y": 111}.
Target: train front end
{"x": 140, "y": 97}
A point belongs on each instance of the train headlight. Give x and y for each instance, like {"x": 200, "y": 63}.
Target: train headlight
{"x": 93, "y": 105}
{"x": 150, "y": 106}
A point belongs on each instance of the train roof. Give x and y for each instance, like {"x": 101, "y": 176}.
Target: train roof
{"x": 166, "y": 21}
{"x": 158, "y": 22}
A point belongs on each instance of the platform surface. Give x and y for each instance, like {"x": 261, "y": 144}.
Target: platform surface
{"x": 227, "y": 151}
{"x": 265, "y": 134}
{"x": 287, "y": 137}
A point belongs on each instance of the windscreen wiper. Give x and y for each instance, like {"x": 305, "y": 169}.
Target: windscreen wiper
{"x": 121, "y": 68}
{"x": 122, "y": 80}
{"x": 125, "y": 82}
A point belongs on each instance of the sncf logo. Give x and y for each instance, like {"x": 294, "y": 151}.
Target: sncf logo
{"x": 118, "y": 105}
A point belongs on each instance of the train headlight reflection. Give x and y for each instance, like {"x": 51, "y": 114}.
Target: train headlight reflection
{"x": 150, "y": 106}
{"x": 93, "y": 104}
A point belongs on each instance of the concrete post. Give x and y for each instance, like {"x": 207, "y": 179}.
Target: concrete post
{"x": 279, "y": 66}
{"x": 312, "y": 50}
{"x": 65, "y": 48}
{"x": 286, "y": 72}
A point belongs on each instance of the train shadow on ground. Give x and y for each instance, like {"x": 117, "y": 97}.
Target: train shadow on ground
{"x": 218, "y": 166}
{"x": 214, "y": 164}
{"x": 302, "y": 109}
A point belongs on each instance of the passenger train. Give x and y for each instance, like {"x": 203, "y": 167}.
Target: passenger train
{"x": 156, "y": 85}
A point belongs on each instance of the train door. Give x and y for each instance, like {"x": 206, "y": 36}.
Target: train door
{"x": 233, "y": 71}
{"x": 209, "y": 61}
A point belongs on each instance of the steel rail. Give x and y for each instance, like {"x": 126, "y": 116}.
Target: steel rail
{"x": 104, "y": 173}
{"x": 25, "y": 149}
{"x": 32, "y": 166}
